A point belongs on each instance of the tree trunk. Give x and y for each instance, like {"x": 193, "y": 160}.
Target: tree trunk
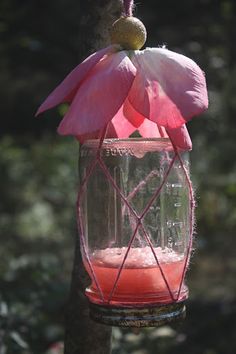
{"x": 82, "y": 335}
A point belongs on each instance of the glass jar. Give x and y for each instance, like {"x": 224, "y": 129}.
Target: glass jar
{"x": 134, "y": 217}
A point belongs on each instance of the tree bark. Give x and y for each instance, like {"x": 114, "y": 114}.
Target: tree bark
{"x": 82, "y": 335}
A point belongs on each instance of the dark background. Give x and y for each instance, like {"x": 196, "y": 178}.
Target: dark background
{"x": 40, "y": 43}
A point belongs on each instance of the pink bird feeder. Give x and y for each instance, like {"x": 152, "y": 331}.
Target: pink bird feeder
{"x": 135, "y": 210}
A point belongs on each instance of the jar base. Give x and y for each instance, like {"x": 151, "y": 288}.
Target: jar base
{"x": 147, "y": 316}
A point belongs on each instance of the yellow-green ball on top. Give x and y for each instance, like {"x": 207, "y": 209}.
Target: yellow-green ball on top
{"x": 129, "y": 32}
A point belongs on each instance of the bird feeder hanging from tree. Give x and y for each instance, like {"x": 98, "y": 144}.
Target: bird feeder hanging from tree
{"x": 135, "y": 210}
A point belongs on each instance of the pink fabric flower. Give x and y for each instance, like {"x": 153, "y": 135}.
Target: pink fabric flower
{"x": 155, "y": 91}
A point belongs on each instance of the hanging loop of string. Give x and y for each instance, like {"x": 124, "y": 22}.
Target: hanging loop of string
{"x": 128, "y": 7}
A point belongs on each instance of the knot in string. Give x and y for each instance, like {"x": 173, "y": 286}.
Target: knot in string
{"x": 128, "y": 7}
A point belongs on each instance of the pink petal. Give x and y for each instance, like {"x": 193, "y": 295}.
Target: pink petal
{"x": 110, "y": 133}
{"x": 180, "y": 137}
{"x": 149, "y": 129}
{"x": 169, "y": 87}
{"x": 132, "y": 115}
{"x": 66, "y": 90}
{"x": 120, "y": 127}
{"x": 100, "y": 96}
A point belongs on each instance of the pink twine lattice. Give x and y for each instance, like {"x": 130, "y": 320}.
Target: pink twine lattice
{"x": 139, "y": 218}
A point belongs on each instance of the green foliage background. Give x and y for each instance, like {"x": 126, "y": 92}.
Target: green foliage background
{"x": 39, "y": 44}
